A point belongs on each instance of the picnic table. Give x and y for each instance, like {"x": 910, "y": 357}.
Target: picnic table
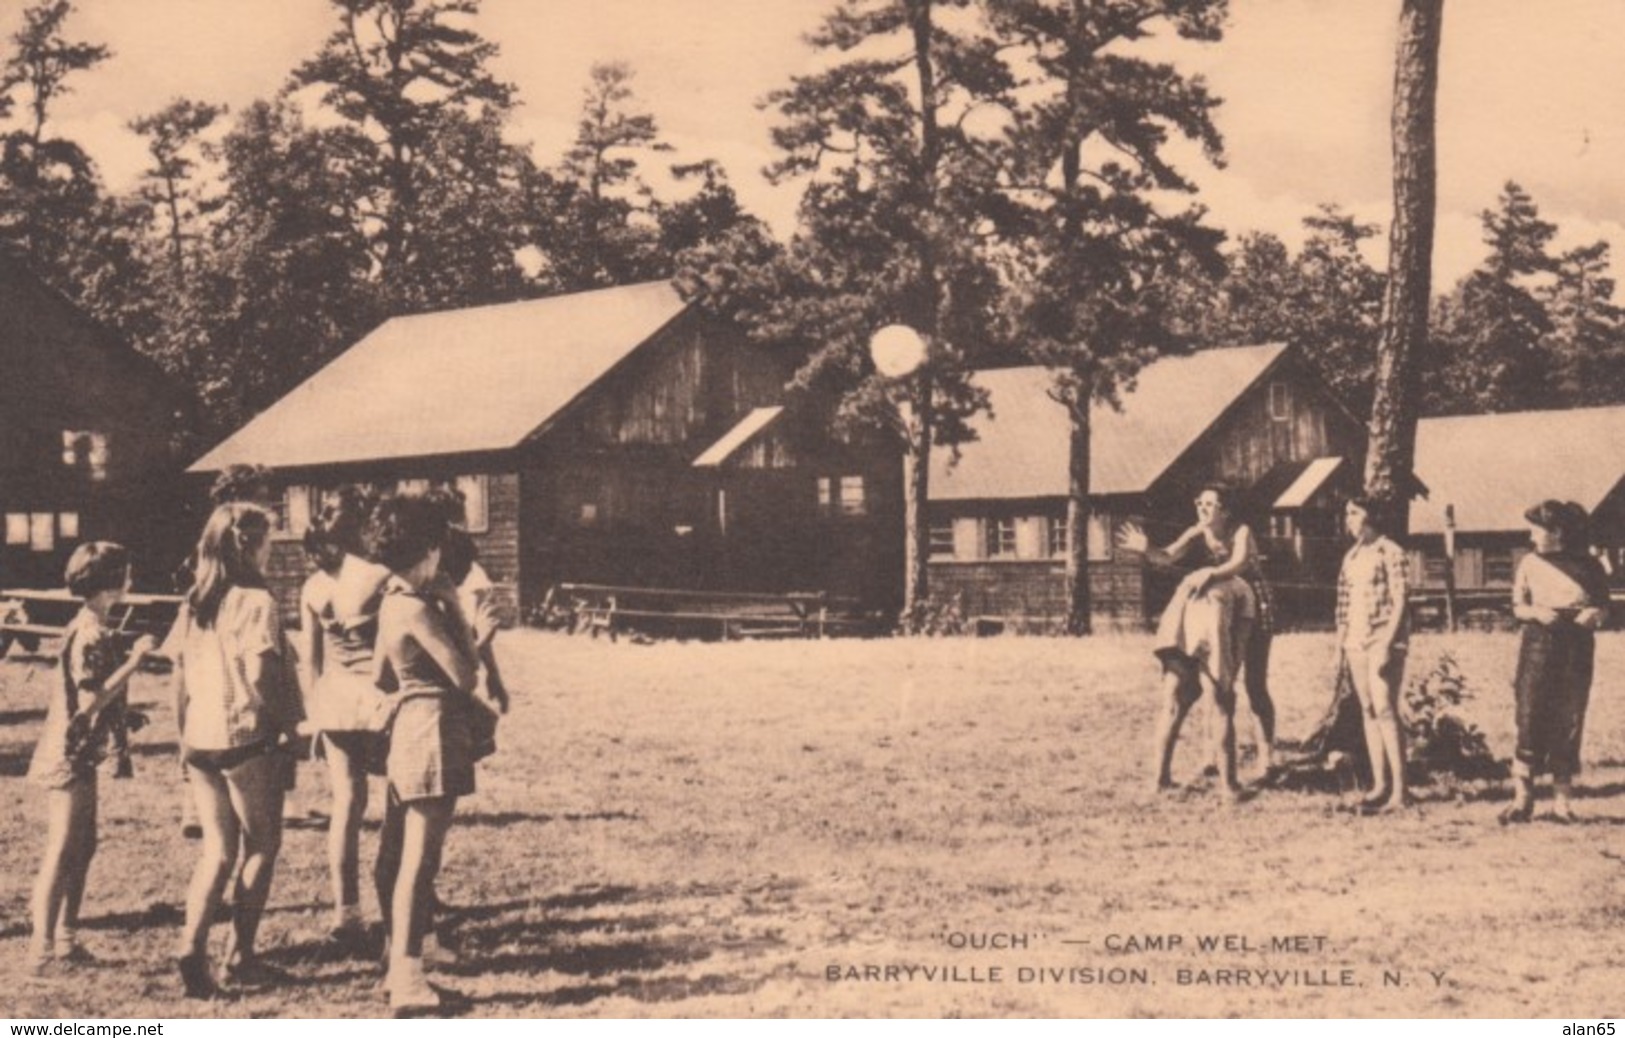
{"x": 604, "y": 609}
{"x": 29, "y": 616}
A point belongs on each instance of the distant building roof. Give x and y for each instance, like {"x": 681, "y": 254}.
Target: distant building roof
{"x": 1492, "y": 467}
{"x": 735, "y": 438}
{"x": 1022, "y": 449}
{"x": 477, "y": 379}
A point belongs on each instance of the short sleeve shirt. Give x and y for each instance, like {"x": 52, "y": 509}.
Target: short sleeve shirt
{"x": 224, "y": 709}
{"x": 93, "y": 656}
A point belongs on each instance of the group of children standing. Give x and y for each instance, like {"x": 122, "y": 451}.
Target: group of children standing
{"x": 1218, "y": 626}
{"x": 392, "y": 675}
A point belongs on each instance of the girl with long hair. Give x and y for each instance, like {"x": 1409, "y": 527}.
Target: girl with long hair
{"x": 237, "y": 705}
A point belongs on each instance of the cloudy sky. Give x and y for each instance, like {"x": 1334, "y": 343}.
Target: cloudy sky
{"x": 1530, "y": 91}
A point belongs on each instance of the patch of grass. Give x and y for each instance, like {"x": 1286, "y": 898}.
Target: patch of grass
{"x": 704, "y": 830}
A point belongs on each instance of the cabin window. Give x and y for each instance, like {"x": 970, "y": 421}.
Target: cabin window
{"x": 67, "y": 525}
{"x": 41, "y": 531}
{"x": 412, "y": 486}
{"x": 16, "y": 528}
{"x": 1100, "y": 537}
{"x": 942, "y": 538}
{"x": 1059, "y": 538}
{"x": 842, "y": 496}
{"x": 1435, "y": 568}
{"x": 1280, "y": 401}
{"x": 1001, "y": 538}
{"x": 853, "y": 501}
{"x": 1282, "y": 525}
{"x": 588, "y": 514}
{"x": 87, "y": 451}
{"x": 296, "y": 510}
{"x": 1498, "y": 566}
{"x": 476, "y": 502}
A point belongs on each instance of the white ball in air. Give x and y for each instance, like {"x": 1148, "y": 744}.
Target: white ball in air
{"x": 897, "y": 350}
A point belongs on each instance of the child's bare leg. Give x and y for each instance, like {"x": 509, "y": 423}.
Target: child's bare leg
{"x": 256, "y": 788}
{"x": 425, "y": 825}
{"x": 1360, "y": 671}
{"x": 82, "y": 848}
{"x": 1223, "y": 697}
{"x": 1176, "y": 700}
{"x": 218, "y": 855}
{"x": 424, "y": 828}
{"x": 51, "y": 882}
{"x": 1385, "y": 681}
{"x": 1255, "y": 674}
{"x": 388, "y": 865}
{"x": 349, "y": 782}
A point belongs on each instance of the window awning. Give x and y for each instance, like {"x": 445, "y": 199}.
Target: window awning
{"x": 718, "y": 453}
{"x": 1308, "y": 483}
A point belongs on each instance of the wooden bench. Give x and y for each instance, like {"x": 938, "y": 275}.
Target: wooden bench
{"x": 596, "y": 609}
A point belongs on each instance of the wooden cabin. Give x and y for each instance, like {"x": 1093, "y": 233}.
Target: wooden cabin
{"x": 1255, "y": 418}
{"x": 794, "y": 508}
{"x": 570, "y": 424}
{"x": 1484, "y": 471}
{"x": 85, "y": 431}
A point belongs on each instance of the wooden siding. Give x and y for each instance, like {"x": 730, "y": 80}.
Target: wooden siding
{"x": 1249, "y": 441}
{"x": 1032, "y": 582}
{"x": 1484, "y": 562}
{"x": 1246, "y": 444}
{"x": 609, "y": 517}
{"x": 64, "y": 373}
{"x": 683, "y": 389}
{"x": 1036, "y": 589}
{"x": 497, "y": 544}
{"x": 773, "y": 534}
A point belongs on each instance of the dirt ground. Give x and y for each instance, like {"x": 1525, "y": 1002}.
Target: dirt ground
{"x": 889, "y": 828}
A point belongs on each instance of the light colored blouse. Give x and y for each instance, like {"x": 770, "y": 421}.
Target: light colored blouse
{"x": 220, "y": 706}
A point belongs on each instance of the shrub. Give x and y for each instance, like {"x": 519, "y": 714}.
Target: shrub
{"x": 1440, "y": 745}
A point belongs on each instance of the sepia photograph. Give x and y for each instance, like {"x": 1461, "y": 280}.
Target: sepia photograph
{"x": 789, "y": 509}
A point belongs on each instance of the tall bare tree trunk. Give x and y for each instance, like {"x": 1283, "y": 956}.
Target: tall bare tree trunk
{"x": 1391, "y": 449}
{"x": 916, "y": 492}
{"x": 1078, "y": 604}
{"x": 934, "y": 297}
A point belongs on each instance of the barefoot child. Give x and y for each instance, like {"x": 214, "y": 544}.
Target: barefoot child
{"x": 237, "y": 705}
{"x": 1207, "y": 631}
{"x": 431, "y": 664}
{"x": 77, "y": 728}
{"x": 338, "y": 626}
{"x": 1373, "y": 634}
{"x": 1560, "y": 593}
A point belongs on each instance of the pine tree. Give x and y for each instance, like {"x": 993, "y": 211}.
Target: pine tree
{"x": 49, "y": 190}
{"x": 600, "y": 228}
{"x": 1587, "y": 341}
{"x": 1097, "y": 257}
{"x": 424, "y": 155}
{"x": 1396, "y": 396}
{"x": 891, "y": 224}
{"x": 1495, "y": 324}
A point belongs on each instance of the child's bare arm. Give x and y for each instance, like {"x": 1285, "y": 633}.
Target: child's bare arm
{"x": 114, "y": 685}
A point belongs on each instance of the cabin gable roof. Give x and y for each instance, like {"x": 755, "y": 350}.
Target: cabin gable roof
{"x": 1022, "y": 446}
{"x": 1492, "y": 467}
{"x": 473, "y": 380}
